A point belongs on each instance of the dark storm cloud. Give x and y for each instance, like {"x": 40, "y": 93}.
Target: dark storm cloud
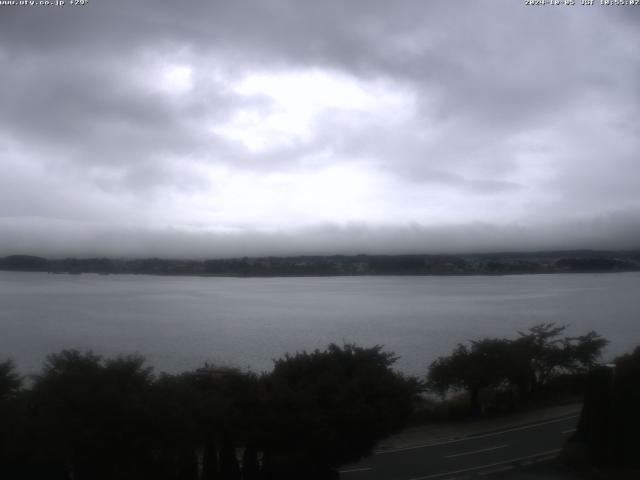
{"x": 498, "y": 115}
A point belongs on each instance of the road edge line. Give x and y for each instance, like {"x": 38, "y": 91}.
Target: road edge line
{"x": 473, "y": 437}
{"x": 489, "y": 465}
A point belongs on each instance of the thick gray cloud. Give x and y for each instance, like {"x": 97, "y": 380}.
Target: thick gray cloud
{"x": 250, "y": 127}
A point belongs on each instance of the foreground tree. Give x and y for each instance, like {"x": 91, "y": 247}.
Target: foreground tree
{"x": 331, "y": 407}
{"x": 607, "y": 432}
{"x": 89, "y": 416}
{"x": 10, "y": 381}
{"x": 174, "y": 406}
{"x": 229, "y": 414}
{"x": 525, "y": 364}
{"x": 482, "y": 365}
{"x": 625, "y": 421}
{"x": 549, "y": 354}
{"x": 10, "y": 387}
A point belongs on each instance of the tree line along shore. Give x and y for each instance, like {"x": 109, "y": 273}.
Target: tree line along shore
{"x": 580, "y": 261}
{"x": 88, "y": 417}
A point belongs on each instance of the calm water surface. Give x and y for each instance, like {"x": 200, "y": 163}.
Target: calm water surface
{"x": 181, "y": 322}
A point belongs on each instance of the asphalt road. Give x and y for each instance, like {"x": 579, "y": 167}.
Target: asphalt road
{"x": 478, "y": 454}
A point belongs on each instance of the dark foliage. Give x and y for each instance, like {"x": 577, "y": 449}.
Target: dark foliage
{"x": 472, "y": 369}
{"x": 607, "y": 433}
{"x": 625, "y": 398}
{"x": 331, "y": 407}
{"x": 90, "y": 418}
{"x": 10, "y": 381}
{"x": 523, "y": 367}
{"x": 90, "y": 415}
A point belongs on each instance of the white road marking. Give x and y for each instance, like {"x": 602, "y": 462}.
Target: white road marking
{"x": 488, "y": 449}
{"x": 353, "y": 470}
{"x": 489, "y": 465}
{"x": 497, "y": 470}
{"x": 473, "y": 437}
{"x": 567, "y": 432}
{"x": 543, "y": 459}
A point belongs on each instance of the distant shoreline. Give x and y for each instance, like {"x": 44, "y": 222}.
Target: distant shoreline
{"x": 334, "y": 275}
{"x": 492, "y": 264}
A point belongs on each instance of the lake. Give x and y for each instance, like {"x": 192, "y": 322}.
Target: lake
{"x": 181, "y": 322}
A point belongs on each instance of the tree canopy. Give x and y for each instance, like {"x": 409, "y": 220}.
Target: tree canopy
{"x": 89, "y": 417}
{"x": 524, "y": 364}
{"x": 10, "y": 381}
{"x": 331, "y": 407}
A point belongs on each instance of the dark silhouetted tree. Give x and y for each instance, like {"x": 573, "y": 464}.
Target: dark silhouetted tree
{"x": 229, "y": 415}
{"x": 607, "y": 433}
{"x": 625, "y": 421}
{"x": 482, "y": 365}
{"x": 250, "y": 464}
{"x": 10, "y": 381}
{"x": 549, "y": 354}
{"x": 90, "y": 414}
{"x": 11, "y": 431}
{"x": 526, "y": 363}
{"x": 327, "y": 408}
{"x": 174, "y": 405}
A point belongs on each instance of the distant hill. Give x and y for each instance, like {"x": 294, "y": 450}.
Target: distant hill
{"x": 337, "y": 265}
{"x": 24, "y": 263}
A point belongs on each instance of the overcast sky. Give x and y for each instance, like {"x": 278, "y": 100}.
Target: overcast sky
{"x": 216, "y": 128}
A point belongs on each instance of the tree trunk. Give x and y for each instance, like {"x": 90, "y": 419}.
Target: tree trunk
{"x": 210, "y": 466}
{"x": 474, "y": 399}
{"x": 229, "y": 467}
{"x": 187, "y": 464}
{"x": 250, "y": 465}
